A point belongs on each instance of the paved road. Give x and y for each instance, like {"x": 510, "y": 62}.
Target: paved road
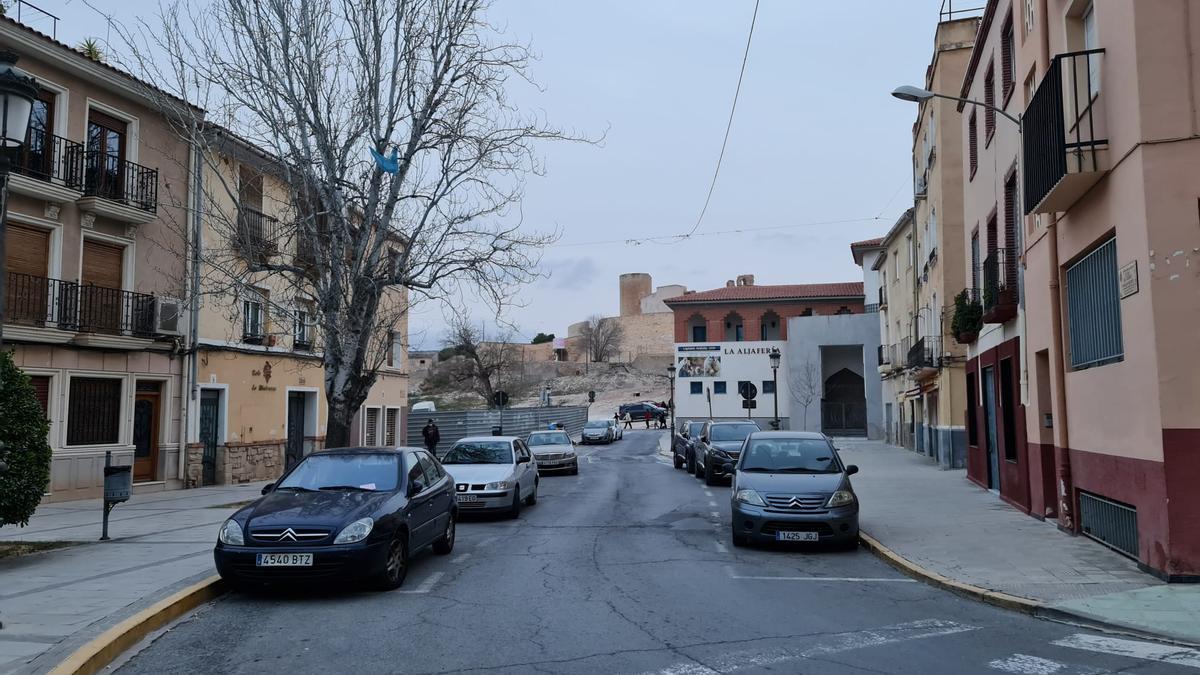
{"x": 627, "y": 568}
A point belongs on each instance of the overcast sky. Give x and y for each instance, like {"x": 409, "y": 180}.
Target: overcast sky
{"x": 816, "y": 138}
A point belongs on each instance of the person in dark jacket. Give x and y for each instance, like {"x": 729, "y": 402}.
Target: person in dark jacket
{"x": 432, "y": 436}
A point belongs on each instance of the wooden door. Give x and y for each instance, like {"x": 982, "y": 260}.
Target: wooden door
{"x": 145, "y": 431}
{"x": 294, "y": 452}
{"x": 27, "y": 257}
{"x": 100, "y": 296}
{"x": 104, "y": 171}
{"x": 210, "y": 426}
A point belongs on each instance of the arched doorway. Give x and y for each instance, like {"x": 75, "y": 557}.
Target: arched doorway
{"x": 734, "y": 329}
{"x": 772, "y": 326}
{"x": 697, "y": 329}
{"x": 844, "y": 407}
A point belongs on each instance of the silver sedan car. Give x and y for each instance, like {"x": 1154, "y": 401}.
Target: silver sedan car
{"x": 553, "y": 451}
{"x": 492, "y": 473}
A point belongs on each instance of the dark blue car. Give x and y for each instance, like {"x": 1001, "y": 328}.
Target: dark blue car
{"x": 347, "y": 514}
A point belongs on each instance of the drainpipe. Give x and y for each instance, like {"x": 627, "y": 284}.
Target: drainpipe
{"x": 191, "y": 380}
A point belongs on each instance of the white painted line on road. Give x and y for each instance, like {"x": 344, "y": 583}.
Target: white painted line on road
{"x": 459, "y": 558}
{"x": 708, "y": 493}
{"x": 714, "y": 514}
{"x": 1024, "y": 664}
{"x": 712, "y": 502}
{"x": 889, "y": 580}
{"x": 733, "y": 661}
{"x": 426, "y": 585}
{"x": 1134, "y": 649}
{"x": 721, "y": 547}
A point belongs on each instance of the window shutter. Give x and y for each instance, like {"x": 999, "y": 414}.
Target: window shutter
{"x": 989, "y": 97}
{"x": 1094, "y": 308}
{"x": 372, "y": 427}
{"x": 1006, "y": 56}
{"x": 27, "y": 250}
{"x": 973, "y": 138}
{"x": 41, "y": 389}
{"x": 102, "y": 264}
{"x": 389, "y": 433}
{"x": 1010, "y": 229}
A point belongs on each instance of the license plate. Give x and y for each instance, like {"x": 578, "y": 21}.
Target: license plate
{"x": 284, "y": 560}
{"x": 797, "y": 536}
{"x": 468, "y": 498}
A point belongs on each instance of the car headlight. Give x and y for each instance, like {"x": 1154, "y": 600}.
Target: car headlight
{"x": 720, "y": 453}
{"x": 840, "y": 498}
{"x": 231, "y": 533}
{"x": 498, "y": 485}
{"x": 356, "y": 531}
{"x": 749, "y": 497}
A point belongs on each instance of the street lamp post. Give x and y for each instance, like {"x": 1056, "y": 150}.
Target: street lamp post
{"x": 671, "y": 399}
{"x": 17, "y": 92}
{"x": 775, "y": 357}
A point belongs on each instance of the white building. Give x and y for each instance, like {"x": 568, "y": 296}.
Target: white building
{"x": 708, "y": 376}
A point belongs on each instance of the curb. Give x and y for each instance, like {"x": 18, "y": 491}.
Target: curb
{"x": 103, "y": 649}
{"x": 1010, "y": 602}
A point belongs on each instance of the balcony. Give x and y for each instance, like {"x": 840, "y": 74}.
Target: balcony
{"x": 1064, "y": 134}
{"x": 926, "y": 353}
{"x": 257, "y": 235}
{"x": 57, "y": 310}
{"x": 117, "y": 188}
{"x": 48, "y": 167}
{"x": 882, "y": 297}
{"x": 999, "y": 286}
{"x": 885, "y": 357}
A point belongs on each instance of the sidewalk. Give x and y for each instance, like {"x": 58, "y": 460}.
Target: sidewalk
{"x": 942, "y": 522}
{"x": 54, "y": 601}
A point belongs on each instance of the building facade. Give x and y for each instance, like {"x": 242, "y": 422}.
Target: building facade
{"x": 1112, "y": 170}
{"x": 892, "y": 258}
{"x": 95, "y": 271}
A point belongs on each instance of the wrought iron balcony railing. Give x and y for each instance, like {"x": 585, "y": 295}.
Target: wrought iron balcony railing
{"x": 67, "y": 305}
{"x": 257, "y": 234}
{"x": 926, "y": 352}
{"x": 50, "y": 158}
{"x": 999, "y": 286}
{"x": 108, "y": 176}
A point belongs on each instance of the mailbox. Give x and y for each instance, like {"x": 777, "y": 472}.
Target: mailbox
{"x": 118, "y": 482}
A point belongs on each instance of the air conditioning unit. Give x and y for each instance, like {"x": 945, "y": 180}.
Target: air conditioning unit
{"x": 168, "y": 316}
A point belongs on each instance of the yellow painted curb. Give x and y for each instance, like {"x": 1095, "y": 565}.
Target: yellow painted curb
{"x": 914, "y": 570}
{"x": 102, "y": 650}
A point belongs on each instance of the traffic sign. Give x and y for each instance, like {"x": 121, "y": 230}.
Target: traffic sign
{"x": 500, "y": 398}
{"x": 747, "y": 390}
{"x": 749, "y": 404}
{"x": 591, "y": 397}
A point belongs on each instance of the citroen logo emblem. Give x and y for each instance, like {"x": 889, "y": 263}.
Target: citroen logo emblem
{"x": 287, "y": 535}
{"x": 795, "y": 504}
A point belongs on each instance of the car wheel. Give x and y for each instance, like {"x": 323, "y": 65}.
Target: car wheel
{"x": 395, "y": 566}
{"x": 677, "y": 460}
{"x": 515, "y": 510}
{"x": 445, "y": 544}
{"x": 699, "y": 472}
{"x": 691, "y": 464}
{"x": 710, "y": 476}
{"x": 532, "y": 499}
{"x": 575, "y": 468}
{"x": 739, "y": 540}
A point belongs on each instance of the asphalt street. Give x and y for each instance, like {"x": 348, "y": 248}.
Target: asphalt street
{"x": 628, "y": 568}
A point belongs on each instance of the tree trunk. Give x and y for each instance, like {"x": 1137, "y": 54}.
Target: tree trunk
{"x": 337, "y": 428}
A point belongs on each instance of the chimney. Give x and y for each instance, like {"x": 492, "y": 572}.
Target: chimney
{"x": 745, "y": 280}
{"x": 729, "y": 284}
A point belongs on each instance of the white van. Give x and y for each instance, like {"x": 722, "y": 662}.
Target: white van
{"x": 424, "y": 406}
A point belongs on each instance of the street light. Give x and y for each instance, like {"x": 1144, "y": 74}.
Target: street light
{"x": 671, "y": 399}
{"x": 918, "y": 95}
{"x": 775, "y": 357}
{"x": 17, "y": 92}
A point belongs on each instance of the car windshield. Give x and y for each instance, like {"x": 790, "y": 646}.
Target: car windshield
{"x": 732, "y": 432}
{"x": 479, "y": 452}
{"x": 790, "y": 455}
{"x": 549, "y": 438}
{"x": 694, "y": 428}
{"x": 596, "y": 424}
{"x": 366, "y": 472}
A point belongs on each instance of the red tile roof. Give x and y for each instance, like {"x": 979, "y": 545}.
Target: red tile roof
{"x": 849, "y": 289}
{"x": 867, "y": 243}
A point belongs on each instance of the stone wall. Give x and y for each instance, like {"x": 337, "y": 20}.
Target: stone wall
{"x": 246, "y": 462}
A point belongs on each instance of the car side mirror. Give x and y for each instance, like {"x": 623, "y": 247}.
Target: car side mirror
{"x": 704, "y": 439}
{"x": 416, "y": 487}
{"x": 851, "y": 469}
{"x": 522, "y": 460}
{"x": 728, "y": 467}
{"x": 268, "y": 487}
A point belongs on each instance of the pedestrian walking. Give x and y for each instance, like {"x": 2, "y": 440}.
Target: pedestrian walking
{"x": 646, "y": 416}
{"x": 431, "y": 435}
{"x": 627, "y": 420}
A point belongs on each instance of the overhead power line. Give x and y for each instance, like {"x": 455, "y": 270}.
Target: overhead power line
{"x": 728, "y": 125}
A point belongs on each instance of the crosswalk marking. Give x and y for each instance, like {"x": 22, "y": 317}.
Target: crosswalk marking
{"x": 1024, "y": 664}
{"x": 1134, "y": 649}
{"x": 426, "y": 585}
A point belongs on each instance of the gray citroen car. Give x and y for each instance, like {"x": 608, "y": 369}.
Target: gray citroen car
{"x": 791, "y": 486}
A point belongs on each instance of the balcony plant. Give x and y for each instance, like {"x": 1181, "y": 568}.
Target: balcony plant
{"x": 968, "y": 318}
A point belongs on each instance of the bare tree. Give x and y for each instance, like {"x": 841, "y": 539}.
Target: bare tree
{"x": 484, "y": 366}
{"x": 602, "y": 337}
{"x": 805, "y": 386}
{"x": 388, "y": 122}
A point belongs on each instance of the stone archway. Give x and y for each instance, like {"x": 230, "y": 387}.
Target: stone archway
{"x": 844, "y": 406}
{"x": 697, "y": 329}
{"x": 735, "y": 330}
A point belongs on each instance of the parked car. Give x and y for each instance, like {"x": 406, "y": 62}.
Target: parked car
{"x": 553, "y": 451}
{"x": 597, "y": 431}
{"x": 685, "y": 440}
{"x": 719, "y": 443}
{"x": 792, "y": 486}
{"x": 345, "y": 513}
{"x": 618, "y": 431}
{"x": 492, "y": 473}
{"x": 640, "y": 411}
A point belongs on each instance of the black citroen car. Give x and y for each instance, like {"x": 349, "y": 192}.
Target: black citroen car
{"x": 346, "y": 514}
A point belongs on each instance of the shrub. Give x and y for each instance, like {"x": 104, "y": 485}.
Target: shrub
{"x": 968, "y": 315}
{"x": 23, "y": 446}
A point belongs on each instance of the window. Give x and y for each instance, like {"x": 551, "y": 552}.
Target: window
{"x": 1008, "y": 59}
{"x": 696, "y": 387}
{"x": 432, "y": 475}
{"x": 768, "y": 387}
{"x": 908, "y": 244}
{"x": 1094, "y": 308}
{"x": 973, "y": 143}
{"x": 1011, "y": 231}
{"x": 1028, "y": 14}
{"x": 105, "y": 153}
{"x": 975, "y": 260}
{"x": 718, "y": 387}
{"x": 41, "y": 390}
{"x": 843, "y": 310}
{"x": 390, "y": 347}
{"x": 699, "y": 333}
{"x": 302, "y": 329}
{"x": 253, "y": 317}
{"x": 989, "y": 99}
{"x": 370, "y": 426}
{"x": 1091, "y": 41}
{"x": 94, "y": 411}
{"x": 895, "y": 265}
{"x": 392, "y": 422}
{"x": 931, "y": 243}
{"x": 808, "y": 311}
